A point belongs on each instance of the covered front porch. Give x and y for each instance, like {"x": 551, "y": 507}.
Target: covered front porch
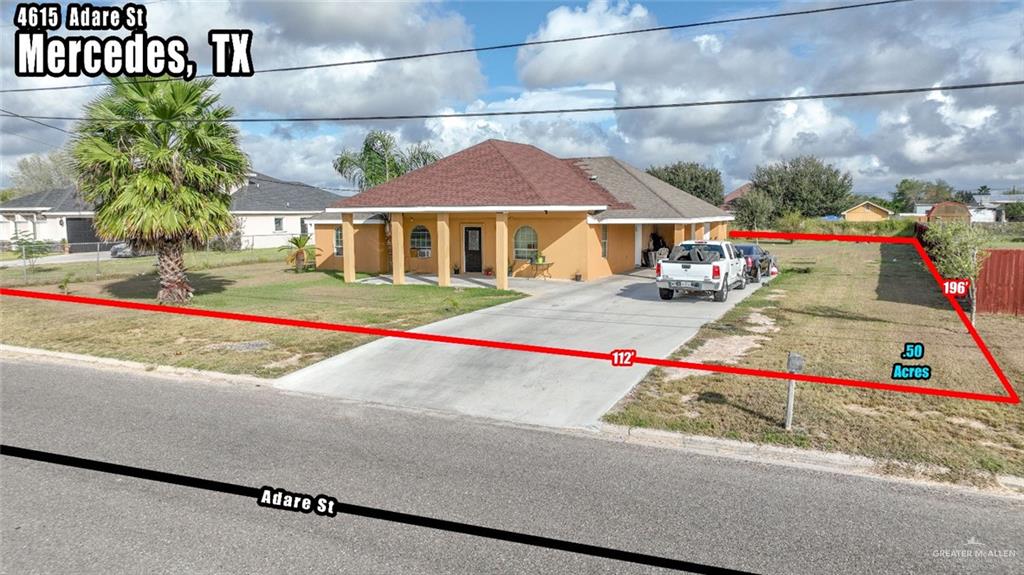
{"x": 476, "y": 248}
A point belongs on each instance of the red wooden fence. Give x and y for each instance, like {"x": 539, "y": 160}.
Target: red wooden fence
{"x": 1001, "y": 284}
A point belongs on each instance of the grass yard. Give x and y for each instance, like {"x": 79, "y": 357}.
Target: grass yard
{"x": 848, "y": 309}
{"x": 229, "y": 346}
{"x": 43, "y": 273}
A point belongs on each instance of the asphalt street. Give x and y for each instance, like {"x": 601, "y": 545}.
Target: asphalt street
{"x": 707, "y": 510}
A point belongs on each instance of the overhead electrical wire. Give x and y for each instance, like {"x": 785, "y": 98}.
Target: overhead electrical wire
{"x": 500, "y": 46}
{"x": 33, "y": 120}
{"x": 618, "y": 108}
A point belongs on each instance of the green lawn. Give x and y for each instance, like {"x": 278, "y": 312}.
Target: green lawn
{"x": 848, "y": 309}
{"x": 228, "y": 346}
{"x": 43, "y": 273}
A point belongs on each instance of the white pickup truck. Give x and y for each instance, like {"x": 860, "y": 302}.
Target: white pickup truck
{"x": 704, "y": 267}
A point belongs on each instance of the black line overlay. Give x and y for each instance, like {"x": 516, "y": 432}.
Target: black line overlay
{"x": 372, "y": 513}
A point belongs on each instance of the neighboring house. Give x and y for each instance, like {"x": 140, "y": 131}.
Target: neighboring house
{"x": 54, "y": 215}
{"x": 949, "y": 212}
{"x": 497, "y": 206}
{"x": 921, "y": 209}
{"x": 985, "y": 215}
{"x": 867, "y": 212}
{"x": 269, "y": 211}
{"x": 991, "y": 207}
{"x": 729, "y": 203}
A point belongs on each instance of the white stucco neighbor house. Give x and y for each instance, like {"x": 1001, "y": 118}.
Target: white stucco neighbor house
{"x": 268, "y": 210}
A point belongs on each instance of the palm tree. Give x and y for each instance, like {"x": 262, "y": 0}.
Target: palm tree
{"x": 380, "y": 160}
{"x": 299, "y": 250}
{"x": 158, "y": 160}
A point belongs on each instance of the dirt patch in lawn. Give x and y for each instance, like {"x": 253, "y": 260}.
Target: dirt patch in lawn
{"x": 849, "y": 319}
{"x": 721, "y": 350}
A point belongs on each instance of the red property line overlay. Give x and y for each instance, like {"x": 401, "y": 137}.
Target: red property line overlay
{"x": 568, "y": 352}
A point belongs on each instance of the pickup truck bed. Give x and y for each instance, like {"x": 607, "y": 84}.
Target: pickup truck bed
{"x": 701, "y": 267}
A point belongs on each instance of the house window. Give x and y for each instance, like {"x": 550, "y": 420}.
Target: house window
{"x": 604, "y": 240}
{"x": 278, "y": 224}
{"x": 419, "y": 242}
{"x": 303, "y": 227}
{"x": 525, "y": 243}
{"x": 339, "y": 249}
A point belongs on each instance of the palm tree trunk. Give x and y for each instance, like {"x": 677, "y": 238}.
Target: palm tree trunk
{"x": 170, "y": 263}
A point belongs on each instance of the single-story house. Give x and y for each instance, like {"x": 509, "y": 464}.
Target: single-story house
{"x": 948, "y": 212}
{"x": 511, "y": 209}
{"x": 52, "y": 215}
{"x": 991, "y": 207}
{"x": 867, "y": 212}
{"x": 269, "y": 211}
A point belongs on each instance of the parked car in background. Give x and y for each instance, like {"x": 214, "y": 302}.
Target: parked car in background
{"x": 124, "y": 250}
{"x": 759, "y": 261}
{"x": 701, "y": 267}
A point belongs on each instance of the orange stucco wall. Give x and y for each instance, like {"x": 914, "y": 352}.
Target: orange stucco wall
{"x": 568, "y": 242}
{"x": 369, "y": 248}
{"x": 621, "y": 256}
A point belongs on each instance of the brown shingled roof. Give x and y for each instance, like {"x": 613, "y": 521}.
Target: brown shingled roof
{"x": 738, "y": 193}
{"x": 491, "y": 173}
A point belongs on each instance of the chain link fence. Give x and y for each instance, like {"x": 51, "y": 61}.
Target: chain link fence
{"x": 38, "y": 262}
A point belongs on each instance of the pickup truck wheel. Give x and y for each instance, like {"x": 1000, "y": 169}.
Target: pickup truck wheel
{"x": 723, "y": 294}
{"x": 743, "y": 281}
{"x": 666, "y": 293}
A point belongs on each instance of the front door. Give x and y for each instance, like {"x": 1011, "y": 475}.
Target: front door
{"x": 474, "y": 252}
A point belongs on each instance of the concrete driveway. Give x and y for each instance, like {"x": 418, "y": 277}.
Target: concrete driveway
{"x": 617, "y": 312}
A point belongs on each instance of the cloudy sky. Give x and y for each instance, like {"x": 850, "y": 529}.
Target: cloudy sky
{"x": 968, "y": 138}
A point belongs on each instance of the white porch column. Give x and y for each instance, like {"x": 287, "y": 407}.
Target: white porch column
{"x": 693, "y": 232}
{"x": 638, "y": 245}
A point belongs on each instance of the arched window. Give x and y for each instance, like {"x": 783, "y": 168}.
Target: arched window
{"x": 525, "y": 243}
{"x": 419, "y": 242}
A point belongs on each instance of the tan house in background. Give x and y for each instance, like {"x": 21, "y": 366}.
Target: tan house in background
{"x": 505, "y": 208}
{"x": 867, "y": 212}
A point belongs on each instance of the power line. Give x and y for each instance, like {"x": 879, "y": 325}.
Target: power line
{"x": 499, "y": 46}
{"x": 54, "y": 146}
{"x": 834, "y": 95}
{"x": 33, "y": 120}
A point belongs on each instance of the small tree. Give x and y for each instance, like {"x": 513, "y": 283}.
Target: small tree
{"x": 1014, "y": 212}
{"x": 29, "y": 248}
{"x": 299, "y": 251}
{"x": 957, "y": 250}
{"x": 704, "y": 182}
{"x": 754, "y": 210}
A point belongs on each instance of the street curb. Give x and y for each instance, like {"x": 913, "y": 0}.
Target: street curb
{"x": 65, "y": 358}
{"x": 856, "y": 465}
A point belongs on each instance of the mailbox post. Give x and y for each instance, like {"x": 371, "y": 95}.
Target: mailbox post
{"x": 794, "y": 364}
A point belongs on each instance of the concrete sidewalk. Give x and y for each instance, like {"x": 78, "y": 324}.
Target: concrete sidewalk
{"x": 618, "y": 312}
